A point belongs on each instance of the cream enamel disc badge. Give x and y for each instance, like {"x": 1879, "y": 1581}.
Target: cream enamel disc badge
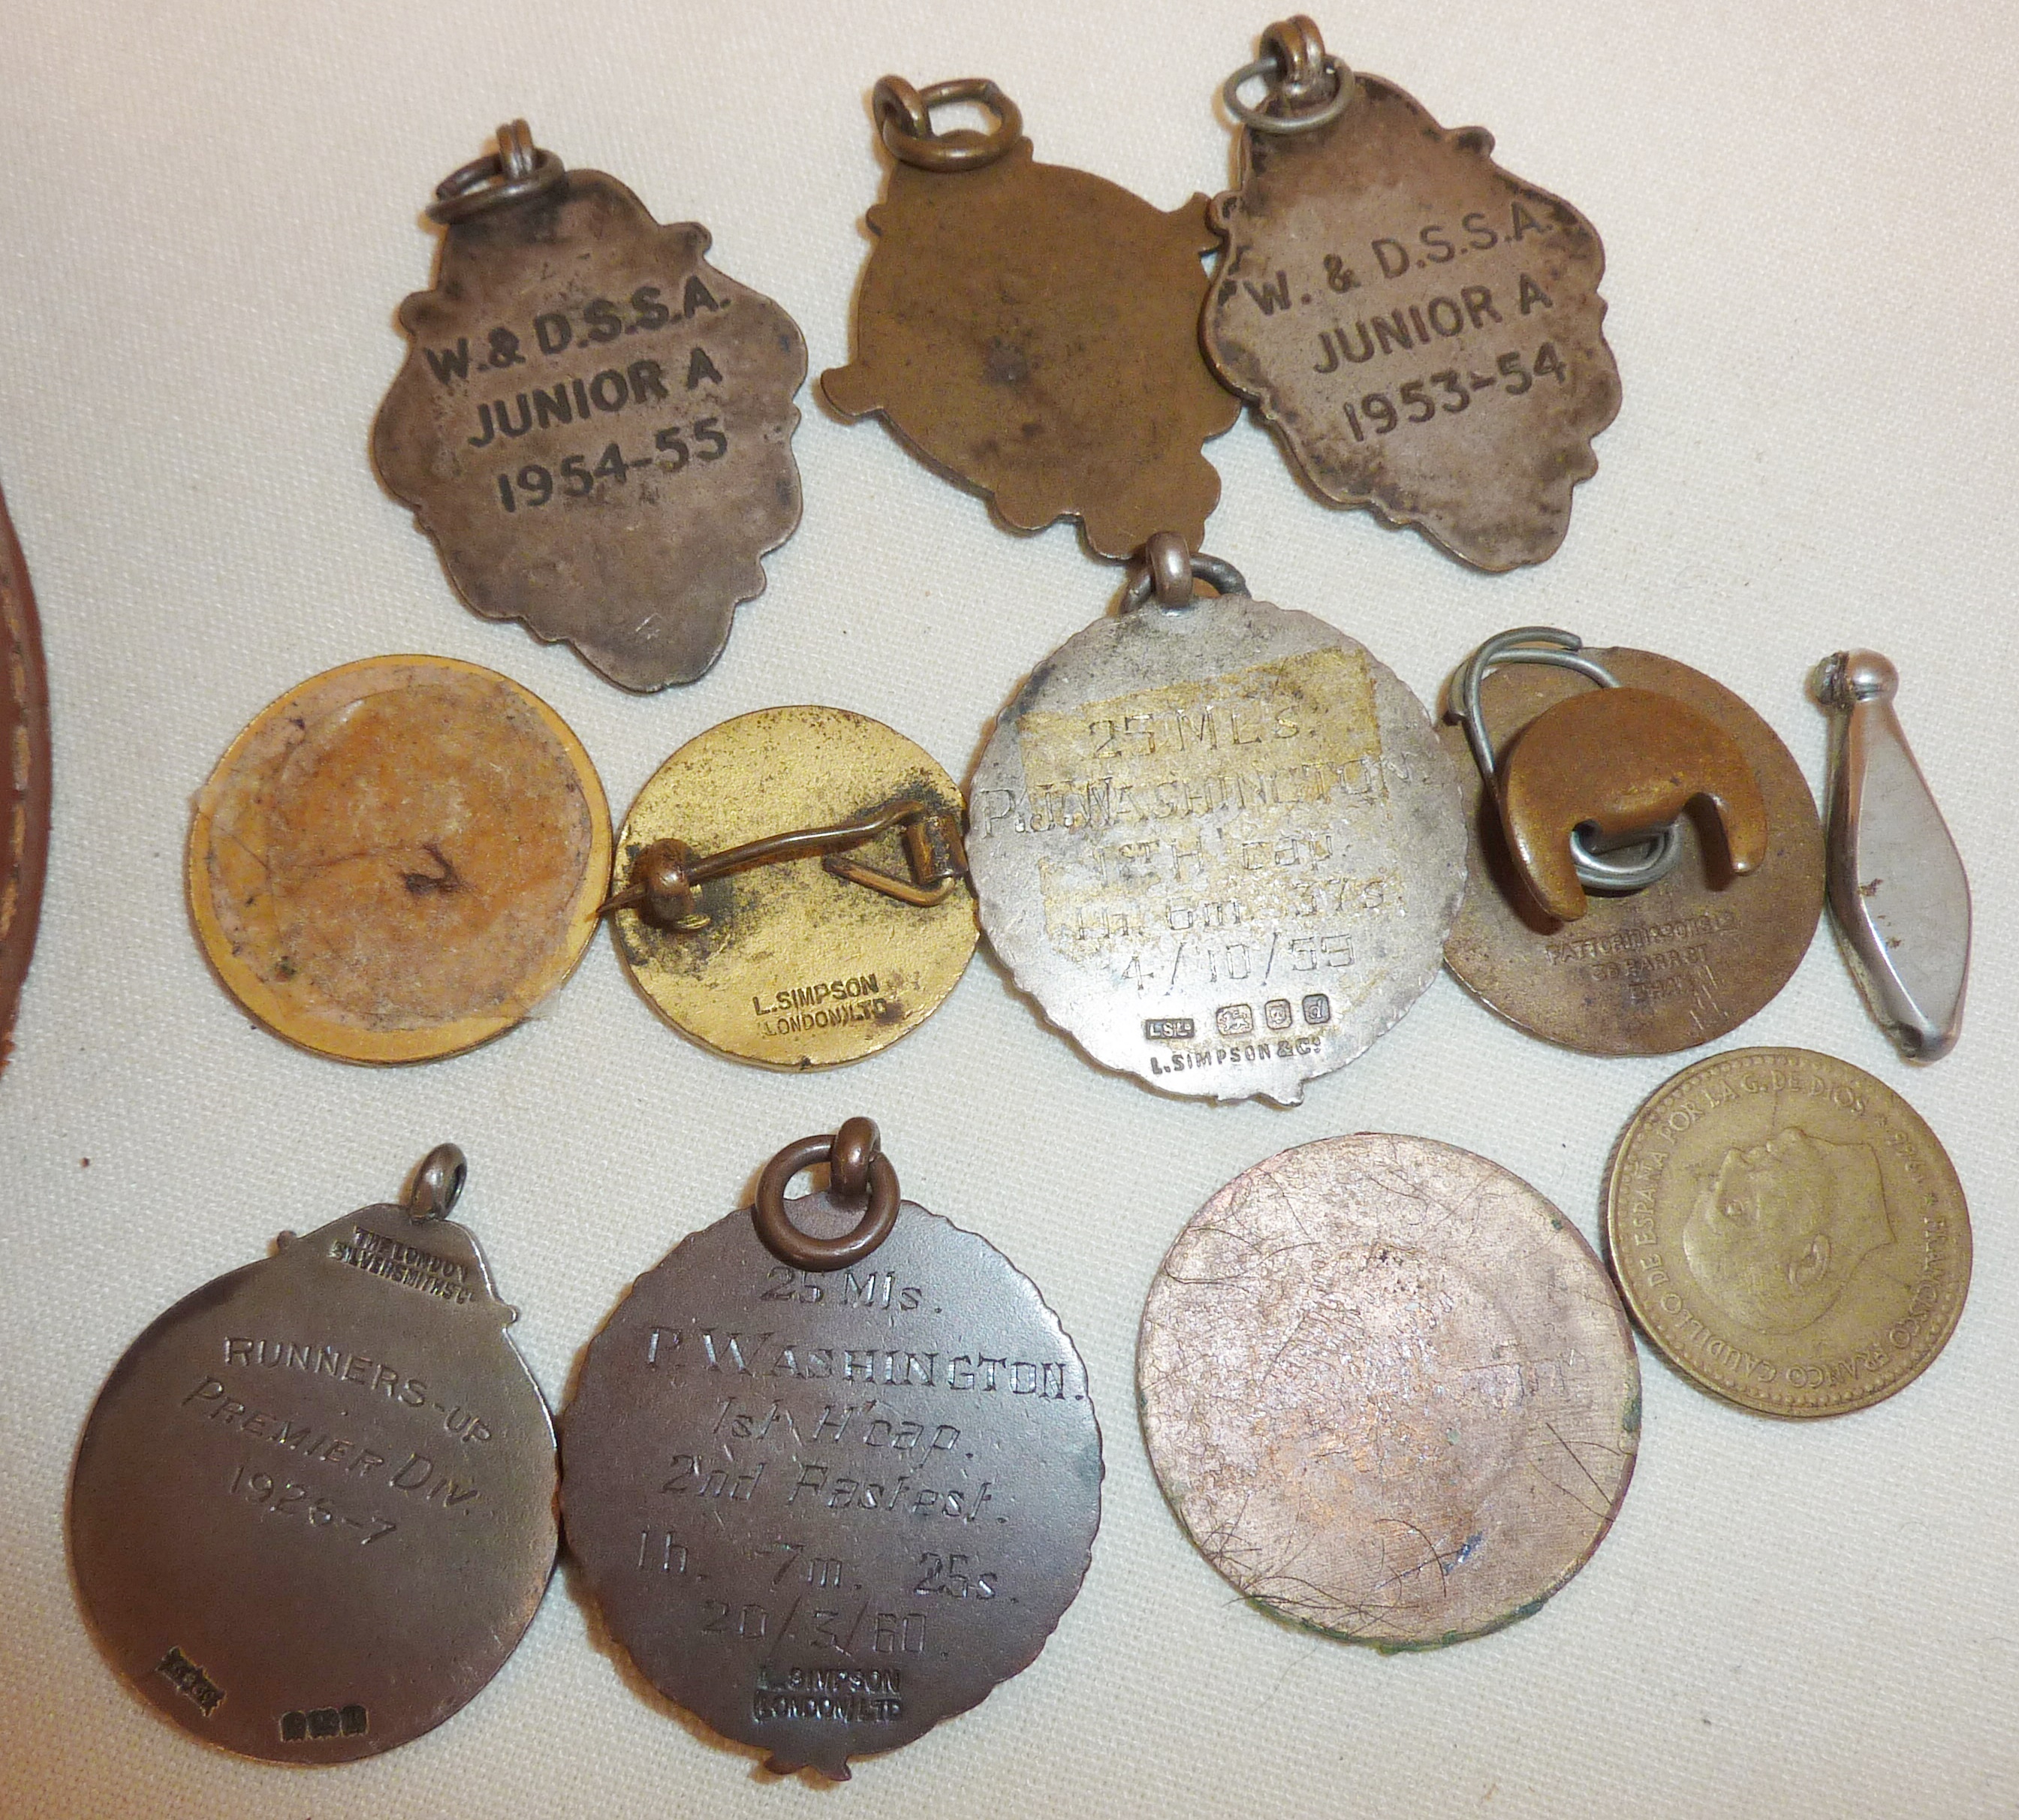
{"x": 1421, "y": 329}
{"x": 399, "y": 859}
{"x": 593, "y": 423}
{"x": 1218, "y": 842}
{"x": 313, "y": 1511}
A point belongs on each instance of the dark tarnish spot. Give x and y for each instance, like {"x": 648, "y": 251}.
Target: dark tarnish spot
{"x": 1030, "y": 431}
{"x": 1005, "y": 365}
{"x": 447, "y": 880}
{"x": 891, "y": 1012}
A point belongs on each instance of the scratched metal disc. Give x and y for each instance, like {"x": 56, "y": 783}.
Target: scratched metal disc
{"x": 313, "y": 1510}
{"x": 824, "y": 1510}
{"x": 1679, "y": 963}
{"x": 1220, "y": 845}
{"x": 1389, "y": 1390}
{"x": 24, "y": 776}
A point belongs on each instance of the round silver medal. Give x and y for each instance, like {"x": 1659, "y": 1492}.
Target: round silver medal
{"x": 1218, "y": 842}
{"x": 1389, "y": 1390}
{"x": 313, "y": 1510}
{"x": 831, "y": 1486}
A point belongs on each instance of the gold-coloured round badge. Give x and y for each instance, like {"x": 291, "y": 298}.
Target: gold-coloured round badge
{"x": 1788, "y": 1231}
{"x": 793, "y": 888}
{"x": 398, "y": 859}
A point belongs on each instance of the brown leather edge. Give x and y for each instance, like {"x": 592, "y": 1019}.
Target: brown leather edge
{"x": 24, "y": 776}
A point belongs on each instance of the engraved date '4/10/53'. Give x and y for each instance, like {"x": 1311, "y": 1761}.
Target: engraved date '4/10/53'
{"x": 1455, "y": 392}
{"x": 533, "y": 484}
{"x": 286, "y": 1499}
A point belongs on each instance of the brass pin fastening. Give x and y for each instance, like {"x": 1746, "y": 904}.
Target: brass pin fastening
{"x": 662, "y": 886}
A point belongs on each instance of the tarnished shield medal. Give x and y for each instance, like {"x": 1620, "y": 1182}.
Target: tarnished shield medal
{"x": 313, "y": 1510}
{"x": 1389, "y": 1390}
{"x": 1033, "y": 330}
{"x": 1420, "y": 328}
{"x": 1218, "y": 842}
{"x": 25, "y": 777}
{"x": 593, "y": 423}
{"x": 1695, "y": 922}
{"x": 832, "y": 1470}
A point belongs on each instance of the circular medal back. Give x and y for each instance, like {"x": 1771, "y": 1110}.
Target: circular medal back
{"x": 398, "y": 859}
{"x": 313, "y": 1510}
{"x": 788, "y": 965}
{"x": 1219, "y": 844}
{"x": 1681, "y": 963}
{"x": 1389, "y": 1390}
{"x": 823, "y": 1510}
{"x": 1788, "y": 1231}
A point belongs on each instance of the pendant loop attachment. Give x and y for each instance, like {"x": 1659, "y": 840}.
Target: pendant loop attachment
{"x": 517, "y": 169}
{"x": 857, "y": 1166}
{"x": 904, "y": 122}
{"x": 1169, "y": 570}
{"x": 437, "y": 1185}
{"x": 1310, "y": 87}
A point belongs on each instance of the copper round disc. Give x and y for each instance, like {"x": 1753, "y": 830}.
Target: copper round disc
{"x": 1682, "y": 962}
{"x": 794, "y": 967}
{"x": 1788, "y": 1231}
{"x": 399, "y": 859}
{"x": 1389, "y": 1390}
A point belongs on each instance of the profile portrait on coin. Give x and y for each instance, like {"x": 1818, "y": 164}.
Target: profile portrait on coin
{"x": 1777, "y": 1233}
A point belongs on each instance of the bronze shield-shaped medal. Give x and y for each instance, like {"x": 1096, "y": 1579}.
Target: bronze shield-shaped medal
{"x": 593, "y": 423}
{"x": 1421, "y": 328}
{"x": 1032, "y": 330}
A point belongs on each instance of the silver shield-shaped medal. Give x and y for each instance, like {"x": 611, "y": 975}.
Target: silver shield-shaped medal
{"x": 1216, "y": 841}
{"x": 833, "y": 1469}
{"x": 313, "y": 1510}
{"x": 1420, "y": 328}
{"x": 593, "y": 423}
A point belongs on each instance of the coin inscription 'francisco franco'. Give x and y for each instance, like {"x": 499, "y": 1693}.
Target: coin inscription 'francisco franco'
{"x": 1788, "y": 1231}
{"x": 1388, "y": 1390}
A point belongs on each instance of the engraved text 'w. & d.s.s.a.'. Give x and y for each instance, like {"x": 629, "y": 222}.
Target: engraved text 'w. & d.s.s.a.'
{"x": 1421, "y": 329}
{"x": 593, "y": 423}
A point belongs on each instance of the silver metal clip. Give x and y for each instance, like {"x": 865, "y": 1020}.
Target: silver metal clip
{"x": 1897, "y": 890}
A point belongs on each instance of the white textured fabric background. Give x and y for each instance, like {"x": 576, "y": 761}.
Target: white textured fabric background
{"x": 211, "y": 211}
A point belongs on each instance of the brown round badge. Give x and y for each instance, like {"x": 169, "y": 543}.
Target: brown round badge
{"x": 1681, "y": 963}
{"x": 399, "y": 859}
{"x": 1388, "y": 1390}
{"x": 1788, "y": 1231}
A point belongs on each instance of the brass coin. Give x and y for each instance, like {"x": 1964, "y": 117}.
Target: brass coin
{"x": 794, "y": 967}
{"x": 1389, "y": 1390}
{"x": 1683, "y": 962}
{"x": 1788, "y": 1231}
{"x": 398, "y": 859}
